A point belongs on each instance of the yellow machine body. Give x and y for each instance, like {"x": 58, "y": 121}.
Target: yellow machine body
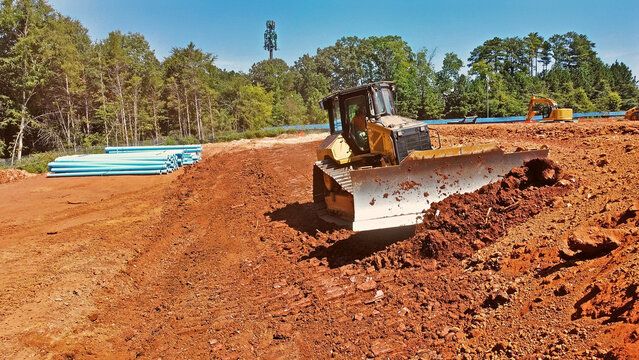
{"x": 632, "y": 114}
{"x": 335, "y": 147}
{"x": 559, "y": 114}
{"x": 556, "y": 113}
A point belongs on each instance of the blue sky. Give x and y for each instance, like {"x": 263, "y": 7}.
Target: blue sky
{"x": 233, "y": 29}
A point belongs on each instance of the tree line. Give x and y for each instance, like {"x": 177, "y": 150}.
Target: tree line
{"x": 60, "y": 89}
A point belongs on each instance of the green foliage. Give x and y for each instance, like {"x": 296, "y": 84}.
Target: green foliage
{"x": 578, "y": 100}
{"x": 93, "y": 140}
{"x": 253, "y": 107}
{"x": 37, "y": 163}
{"x": 289, "y": 110}
{"x": 608, "y": 100}
{"x": 61, "y": 90}
{"x": 178, "y": 140}
{"x": 272, "y": 75}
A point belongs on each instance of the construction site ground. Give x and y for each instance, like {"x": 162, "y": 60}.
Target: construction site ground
{"x": 226, "y": 259}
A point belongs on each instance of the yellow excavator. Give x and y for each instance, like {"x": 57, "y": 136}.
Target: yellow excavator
{"x": 379, "y": 170}
{"x": 553, "y": 112}
{"x": 632, "y": 114}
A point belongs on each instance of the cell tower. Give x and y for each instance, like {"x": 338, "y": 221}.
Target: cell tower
{"x": 270, "y": 38}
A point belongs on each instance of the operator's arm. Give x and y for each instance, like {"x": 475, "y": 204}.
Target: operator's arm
{"x": 359, "y": 121}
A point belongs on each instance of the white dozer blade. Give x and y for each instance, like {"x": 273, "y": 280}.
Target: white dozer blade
{"x": 395, "y": 196}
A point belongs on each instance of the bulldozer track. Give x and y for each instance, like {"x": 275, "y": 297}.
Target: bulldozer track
{"x": 341, "y": 175}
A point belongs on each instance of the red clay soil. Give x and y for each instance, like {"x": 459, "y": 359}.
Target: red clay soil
{"x": 12, "y": 175}
{"x": 463, "y": 223}
{"x": 227, "y": 260}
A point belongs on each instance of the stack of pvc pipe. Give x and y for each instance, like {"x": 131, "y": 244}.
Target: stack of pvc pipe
{"x": 114, "y": 164}
{"x": 127, "y": 160}
{"x": 187, "y": 154}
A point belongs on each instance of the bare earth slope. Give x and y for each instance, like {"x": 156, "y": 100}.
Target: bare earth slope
{"x": 227, "y": 260}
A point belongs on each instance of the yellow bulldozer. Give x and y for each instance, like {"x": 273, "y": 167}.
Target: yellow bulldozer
{"x": 632, "y": 114}
{"x": 551, "y": 111}
{"x": 379, "y": 170}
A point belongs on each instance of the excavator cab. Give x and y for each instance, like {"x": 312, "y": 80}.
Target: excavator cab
{"x": 379, "y": 170}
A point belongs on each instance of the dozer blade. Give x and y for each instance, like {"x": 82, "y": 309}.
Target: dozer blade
{"x": 396, "y": 196}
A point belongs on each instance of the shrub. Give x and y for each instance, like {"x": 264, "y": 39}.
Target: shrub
{"x": 37, "y": 163}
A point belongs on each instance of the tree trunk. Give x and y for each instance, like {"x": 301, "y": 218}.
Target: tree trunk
{"x": 64, "y": 124}
{"x": 179, "y": 108}
{"x": 188, "y": 115}
{"x": 70, "y": 115}
{"x": 103, "y": 100}
{"x": 16, "y": 154}
{"x": 198, "y": 119}
{"x": 86, "y": 115}
{"x": 135, "y": 117}
{"x": 211, "y": 117}
{"x": 125, "y": 132}
{"x": 17, "y": 144}
{"x": 155, "y": 121}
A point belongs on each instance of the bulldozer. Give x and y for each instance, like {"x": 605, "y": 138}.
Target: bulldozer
{"x": 379, "y": 170}
{"x": 632, "y": 114}
{"x": 554, "y": 112}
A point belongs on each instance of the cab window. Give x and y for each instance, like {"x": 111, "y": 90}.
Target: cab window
{"x": 336, "y": 117}
{"x": 384, "y": 102}
{"x": 356, "y": 112}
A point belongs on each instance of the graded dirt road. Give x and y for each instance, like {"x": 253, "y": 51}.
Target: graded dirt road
{"x": 226, "y": 259}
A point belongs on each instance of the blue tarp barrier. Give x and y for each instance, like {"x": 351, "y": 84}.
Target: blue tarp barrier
{"x": 491, "y": 120}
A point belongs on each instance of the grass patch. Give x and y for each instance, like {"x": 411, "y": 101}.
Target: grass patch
{"x": 36, "y": 163}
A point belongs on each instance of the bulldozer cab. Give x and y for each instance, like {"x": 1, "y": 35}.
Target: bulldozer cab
{"x": 350, "y": 111}
{"x": 378, "y": 169}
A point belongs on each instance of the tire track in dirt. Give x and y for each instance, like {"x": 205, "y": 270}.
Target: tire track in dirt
{"x": 208, "y": 277}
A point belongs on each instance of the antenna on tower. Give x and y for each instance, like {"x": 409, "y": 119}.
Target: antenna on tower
{"x": 270, "y": 38}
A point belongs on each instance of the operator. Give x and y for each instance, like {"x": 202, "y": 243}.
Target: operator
{"x": 359, "y": 127}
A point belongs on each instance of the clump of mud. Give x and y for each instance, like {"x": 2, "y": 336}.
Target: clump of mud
{"x": 615, "y": 293}
{"x": 463, "y": 223}
{"x": 13, "y": 175}
{"x": 605, "y": 235}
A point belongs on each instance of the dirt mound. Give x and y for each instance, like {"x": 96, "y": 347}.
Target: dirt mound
{"x": 12, "y": 175}
{"x": 464, "y": 223}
